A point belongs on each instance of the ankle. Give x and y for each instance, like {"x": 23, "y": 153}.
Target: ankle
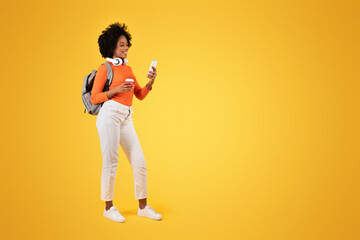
{"x": 108, "y": 204}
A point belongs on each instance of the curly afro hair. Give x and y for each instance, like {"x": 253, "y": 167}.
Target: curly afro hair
{"x": 108, "y": 39}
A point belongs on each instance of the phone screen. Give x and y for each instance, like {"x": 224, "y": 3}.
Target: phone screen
{"x": 153, "y": 63}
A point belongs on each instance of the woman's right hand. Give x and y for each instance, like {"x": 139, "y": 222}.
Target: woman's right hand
{"x": 124, "y": 87}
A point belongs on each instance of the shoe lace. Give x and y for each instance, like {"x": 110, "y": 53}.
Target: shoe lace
{"x": 151, "y": 209}
{"x": 116, "y": 211}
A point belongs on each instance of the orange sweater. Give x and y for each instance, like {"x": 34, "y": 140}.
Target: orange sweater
{"x": 120, "y": 74}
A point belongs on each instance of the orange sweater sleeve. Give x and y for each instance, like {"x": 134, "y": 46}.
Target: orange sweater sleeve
{"x": 97, "y": 94}
{"x": 140, "y": 92}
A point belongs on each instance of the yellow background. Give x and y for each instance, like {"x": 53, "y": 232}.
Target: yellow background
{"x": 251, "y": 130}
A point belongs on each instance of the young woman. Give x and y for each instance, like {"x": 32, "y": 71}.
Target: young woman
{"x": 114, "y": 123}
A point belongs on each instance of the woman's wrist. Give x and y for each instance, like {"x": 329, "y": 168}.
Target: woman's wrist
{"x": 149, "y": 85}
{"x": 110, "y": 93}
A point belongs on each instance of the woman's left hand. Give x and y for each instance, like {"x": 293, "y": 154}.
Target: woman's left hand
{"x": 152, "y": 74}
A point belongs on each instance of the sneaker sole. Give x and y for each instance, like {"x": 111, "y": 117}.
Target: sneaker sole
{"x": 150, "y": 217}
{"x": 120, "y": 221}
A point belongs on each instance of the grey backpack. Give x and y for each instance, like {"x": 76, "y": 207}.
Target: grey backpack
{"x": 94, "y": 109}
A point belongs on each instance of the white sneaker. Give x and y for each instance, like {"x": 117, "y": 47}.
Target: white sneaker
{"x": 113, "y": 214}
{"x": 149, "y": 212}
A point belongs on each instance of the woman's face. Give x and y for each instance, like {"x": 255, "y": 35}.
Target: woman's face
{"x": 122, "y": 47}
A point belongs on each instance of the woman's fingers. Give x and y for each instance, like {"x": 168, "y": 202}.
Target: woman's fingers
{"x": 128, "y": 86}
{"x": 151, "y": 73}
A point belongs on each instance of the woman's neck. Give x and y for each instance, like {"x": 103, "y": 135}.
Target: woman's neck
{"x": 118, "y": 57}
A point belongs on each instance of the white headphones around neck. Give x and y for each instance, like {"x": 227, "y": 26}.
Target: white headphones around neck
{"x": 117, "y": 61}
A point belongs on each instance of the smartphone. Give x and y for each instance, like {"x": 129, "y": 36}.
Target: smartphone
{"x": 153, "y": 64}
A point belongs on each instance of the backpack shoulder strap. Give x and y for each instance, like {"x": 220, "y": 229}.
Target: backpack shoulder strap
{"x": 109, "y": 72}
{"x": 109, "y": 76}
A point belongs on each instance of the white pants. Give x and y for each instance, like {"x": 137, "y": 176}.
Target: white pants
{"x": 115, "y": 126}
